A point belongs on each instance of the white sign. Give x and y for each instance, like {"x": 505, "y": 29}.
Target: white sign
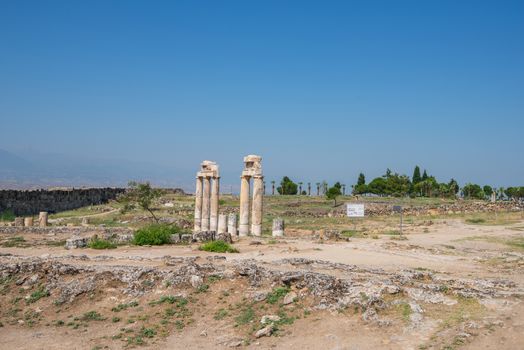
{"x": 355, "y": 210}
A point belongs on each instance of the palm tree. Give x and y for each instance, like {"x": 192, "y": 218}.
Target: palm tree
{"x": 318, "y": 188}
{"x": 309, "y": 188}
{"x": 300, "y": 188}
{"x": 273, "y": 188}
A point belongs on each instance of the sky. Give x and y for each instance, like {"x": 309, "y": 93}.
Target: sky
{"x": 322, "y": 90}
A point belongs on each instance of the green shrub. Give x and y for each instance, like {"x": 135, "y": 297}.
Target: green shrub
{"x": 218, "y": 247}
{"x": 38, "y": 294}
{"x": 7, "y": 215}
{"x": 98, "y": 243}
{"x": 156, "y": 234}
{"x": 277, "y": 294}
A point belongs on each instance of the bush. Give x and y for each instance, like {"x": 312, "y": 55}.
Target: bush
{"x": 97, "y": 243}
{"x": 218, "y": 247}
{"x": 7, "y": 215}
{"x": 156, "y": 234}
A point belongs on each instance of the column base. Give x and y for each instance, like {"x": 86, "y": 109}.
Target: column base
{"x": 256, "y": 230}
{"x": 243, "y": 230}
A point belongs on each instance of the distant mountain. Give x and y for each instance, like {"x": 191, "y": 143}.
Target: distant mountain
{"x": 30, "y": 169}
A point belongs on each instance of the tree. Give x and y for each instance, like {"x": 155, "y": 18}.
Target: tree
{"x": 318, "y": 188}
{"x": 140, "y": 195}
{"x": 361, "y": 185}
{"x": 453, "y": 187}
{"x": 488, "y": 190}
{"x": 424, "y": 175}
{"x": 287, "y": 186}
{"x": 333, "y": 193}
{"x": 473, "y": 191}
{"x": 309, "y": 188}
{"x": 416, "y": 176}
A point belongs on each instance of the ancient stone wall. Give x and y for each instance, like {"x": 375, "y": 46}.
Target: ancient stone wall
{"x": 32, "y": 202}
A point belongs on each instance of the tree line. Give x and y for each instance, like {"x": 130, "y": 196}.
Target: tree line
{"x": 421, "y": 184}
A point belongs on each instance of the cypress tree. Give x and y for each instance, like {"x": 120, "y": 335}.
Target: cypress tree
{"x": 416, "y": 175}
{"x": 424, "y": 175}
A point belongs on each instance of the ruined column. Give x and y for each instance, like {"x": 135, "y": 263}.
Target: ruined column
{"x": 232, "y": 224}
{"x": 213, "y": 220}
{"x": 222, "y": 223}
{"x": 28, "y": 222}
{"x": 278, "y": 227}
{"x": 256, "y": 212}
{"x": 206, "y": 204}
{"x": 42, "y": 219}
{"x": 244, "y": 207}
{"x": 198, "y": 205}
{"x": 19, "y": 221}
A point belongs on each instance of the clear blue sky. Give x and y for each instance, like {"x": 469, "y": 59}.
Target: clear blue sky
{"x": 320, "y": 89}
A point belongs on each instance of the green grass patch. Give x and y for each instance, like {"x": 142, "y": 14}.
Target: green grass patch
{"x": 218, "y": 247}
{"x": 277, "y": 294}
{"x": 475, "y": 221}
{"x": 221, "y": 314}
{"x": 170, "y": 299}
{"x": 38, "y": 294}
{"x": 98, "y": 243}
{"x": 156, "y": 234}
{"x": 246, "y": 315}
{"x": 92, "y": 316}
{"x": 121, "y": 307}
{"x": 17, "y": 241}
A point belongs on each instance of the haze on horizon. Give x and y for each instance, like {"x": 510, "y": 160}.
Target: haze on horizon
{"x": 322, "y": 91}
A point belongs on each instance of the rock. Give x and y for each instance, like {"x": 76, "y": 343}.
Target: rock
{"x": 289, "y": 298}
{"x": 235, "y": 343}
{"x": 186, "y": 238}
{"x": 269, "y": 319}
{"x": 264, "y": 332}
{"x": 76, "y": 242}
{"x": 175, "y": 238}
{"x": 260, "y": 296}
{"x": 204, "y": 236}
{"x": 196, "y": 281}
{"x": 226, "y": 237}
{"x": 203, "y": 333}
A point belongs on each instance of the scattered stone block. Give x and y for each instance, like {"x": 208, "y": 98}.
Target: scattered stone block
{"x": 278, "y": 227}
{"x": 76, "y": 242}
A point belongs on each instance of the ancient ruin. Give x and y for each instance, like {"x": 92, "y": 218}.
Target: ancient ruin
{"x": 252, "y": 169}
{"x": 206, "y": 197}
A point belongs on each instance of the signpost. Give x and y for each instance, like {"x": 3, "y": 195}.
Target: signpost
{"x": 355, "y": 211}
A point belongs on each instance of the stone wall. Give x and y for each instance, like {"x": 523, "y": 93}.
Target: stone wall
{"x": 32, "y": 202}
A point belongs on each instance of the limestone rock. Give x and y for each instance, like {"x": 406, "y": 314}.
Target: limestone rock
{"x": 76, "y": 242}
{"x": 289, "y": 298}
{"x": 269, "y": 319}
{"x": 196, "y": 281}
{"x": 264, "y": 332}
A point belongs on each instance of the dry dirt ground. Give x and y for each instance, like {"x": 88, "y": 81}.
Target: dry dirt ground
{"x": 453, "y": 286}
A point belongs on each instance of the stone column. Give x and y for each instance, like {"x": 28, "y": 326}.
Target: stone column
{"x": 222, "y": 223}
{"x": 206, "y": 204}
{"x": 198, "y": 205}
{"x": 19, "y": 221}
{"x": 213, "y": 220}
{"x": 232, "y": 224}
{"x": 28, "y": 222}
{"x": 278, "y": 227}
{"x": 256, "y": 211}
{"x": 42, "y": 219}
{"x": 244, "y": 207}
